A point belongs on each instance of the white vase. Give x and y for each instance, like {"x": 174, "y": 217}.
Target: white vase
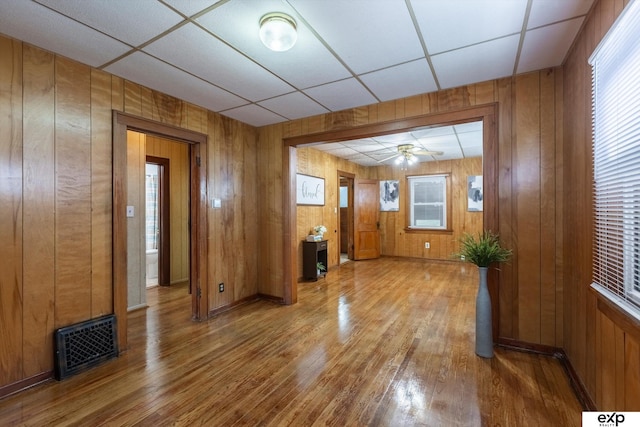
{"x": 484, "y": 331}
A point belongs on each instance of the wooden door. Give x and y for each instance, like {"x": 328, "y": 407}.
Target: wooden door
{"x": 366, "y": 211}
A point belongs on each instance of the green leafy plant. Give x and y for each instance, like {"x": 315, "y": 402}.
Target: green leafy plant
{"x": 320, "y": 266}
{"x": 482, "y": 249}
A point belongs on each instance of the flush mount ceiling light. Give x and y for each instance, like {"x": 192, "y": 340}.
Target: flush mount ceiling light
{"x": 278, "y": 31}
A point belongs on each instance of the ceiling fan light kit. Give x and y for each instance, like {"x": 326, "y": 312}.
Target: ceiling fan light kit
{"x": 278, "y": 31}
{"x": 407, "y": 155}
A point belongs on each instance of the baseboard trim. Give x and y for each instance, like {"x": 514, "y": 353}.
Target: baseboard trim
{"x": 233, "y": 305}
{"x": 576, "y": 383}
{"x": 24, "y": 384}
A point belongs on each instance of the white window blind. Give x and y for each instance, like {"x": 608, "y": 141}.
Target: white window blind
{"x": 616, "y": 150}
{"x": 428, "y": 202}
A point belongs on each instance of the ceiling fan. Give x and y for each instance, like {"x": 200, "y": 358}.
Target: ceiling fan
{"x": 409, "y": 151}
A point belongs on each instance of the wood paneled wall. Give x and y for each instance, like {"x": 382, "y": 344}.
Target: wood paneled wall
{"x": 317, "y": 163}
{"x": 602, "y": 344}
{"x": 178, "y": 155}
{"x": 396, "y": 241}
{"x": 529, "y": 148}
{"x": 56, "y": 199}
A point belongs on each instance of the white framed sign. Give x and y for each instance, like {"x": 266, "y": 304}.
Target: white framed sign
{"x": 309, "y": 190}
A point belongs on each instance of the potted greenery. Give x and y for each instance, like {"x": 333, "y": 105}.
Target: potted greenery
{"x": 320, "y": 267}
{"x": 483, "y": 250}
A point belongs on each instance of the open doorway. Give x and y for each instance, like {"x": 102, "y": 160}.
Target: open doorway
{"x": 345, "y": 215}
{"x": 157, "y": 221}
{"x": 196, "y": 223}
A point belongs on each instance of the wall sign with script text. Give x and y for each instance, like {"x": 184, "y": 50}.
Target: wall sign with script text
{"x": 309, "y": 190}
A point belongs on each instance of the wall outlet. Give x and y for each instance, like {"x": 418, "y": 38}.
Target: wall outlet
{"x": 427, "y": 245}
{"x": 221, "y": 287}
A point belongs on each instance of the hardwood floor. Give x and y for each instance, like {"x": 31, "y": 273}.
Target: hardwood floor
{"x": 388, "y": 342}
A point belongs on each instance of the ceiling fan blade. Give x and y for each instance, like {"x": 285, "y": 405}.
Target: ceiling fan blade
{"x": 387, "y": 158}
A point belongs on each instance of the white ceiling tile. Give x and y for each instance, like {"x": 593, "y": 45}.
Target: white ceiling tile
{"x": 401, "y": 81}
{"x": 49, "y": 30}
{"x": 452, "y": 24}
{"x": 439, "y": 141}
{"x": 254, "y": 115}
{"x": 545, "y": 12}
{"x": 432, "y": 132}
{"x": 133, "y": 22}
{"x": 468, "y": 127}
{"x": 172, "y": 81}
{"x": 328, "y": 146}
{"x": 367, "y": 35}
{"x": 468, "y": 139}
{"x": 203, "y": 55}
{"x": 394, "y": 139}
{"x": 547, "y": 46}
{"x": 472, "y": 151}
{"x": 307, "y": 64}
{"x": 478, "y": 63}
{"x": 343, "y": 152}
{"x": 341, "y": 95}
{"x": 293, "y": 106}
{"x": 191, "y": 7}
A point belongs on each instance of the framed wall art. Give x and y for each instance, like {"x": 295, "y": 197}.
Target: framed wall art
{"x": 309, "y": 190}
{"x": 390, "y": 195}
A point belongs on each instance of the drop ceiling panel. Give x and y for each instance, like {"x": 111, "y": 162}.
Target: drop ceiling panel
{"x": 172, "y": 81}
{"x": 547, "y": 45}
{"x": 191, "y": 7}
{"x": 307, "y": 64}
{"x": 49, "y": 30}
{"x": 133, "y": 22}
{"x": 451, "y": 24}
{"x": 366, "y": 35}
{"x": 403, "y": 80}
{"x": 485, "y": 61}
{"x": 202, "y": 54}
{"x": 341, "y": 95}
{"x": 293, "y": 105}
{"x": 544, "y": 12}
{"x": 350, "y": 53}
{"x": 253, "y": 113}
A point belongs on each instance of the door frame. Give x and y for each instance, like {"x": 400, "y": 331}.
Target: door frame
{"x": 164, "y": 202}
{"x": 487, "y": 113}
{"x": 350, "y": 177}
{"x": 197, "y": 213}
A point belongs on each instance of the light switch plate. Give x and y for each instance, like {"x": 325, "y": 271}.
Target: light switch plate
{"x": 130, "y": 211}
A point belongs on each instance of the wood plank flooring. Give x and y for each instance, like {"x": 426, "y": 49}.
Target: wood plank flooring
{"x": 387, "y": 342}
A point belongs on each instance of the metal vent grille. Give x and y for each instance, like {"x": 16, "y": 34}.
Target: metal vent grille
{"x": 85, "y": 344}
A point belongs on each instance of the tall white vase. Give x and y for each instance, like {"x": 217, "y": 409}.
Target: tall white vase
{"x": 484, "y": 332}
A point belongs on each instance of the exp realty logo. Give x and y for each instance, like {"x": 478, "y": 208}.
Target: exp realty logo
{"x": 610, "y": 419}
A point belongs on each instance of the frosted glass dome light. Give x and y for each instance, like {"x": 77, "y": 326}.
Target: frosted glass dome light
{"x": 278, "y": 31}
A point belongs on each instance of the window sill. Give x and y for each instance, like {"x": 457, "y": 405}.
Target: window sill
{"x": 426, "y": 231}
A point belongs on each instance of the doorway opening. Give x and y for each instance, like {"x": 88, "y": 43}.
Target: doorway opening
{"x": 196, "y": 217}
{"x": 487, "y": 114}
{"x": 157, "y": 221}
{"x": 345, "y": 216}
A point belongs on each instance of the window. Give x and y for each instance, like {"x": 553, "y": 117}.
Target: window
{"x": 616, "y": 150}
{"x": 428, "y": 202}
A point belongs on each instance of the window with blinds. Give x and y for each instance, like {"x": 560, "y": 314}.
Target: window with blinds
{"x": 428, "y": 202}
{"x": 616, "y": 154}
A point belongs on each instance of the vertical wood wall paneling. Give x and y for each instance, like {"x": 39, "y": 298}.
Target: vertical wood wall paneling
{"x": 549, "y": 288}
{"x": 178, "y": 155}
{"x": 101, "y": 190}
{"x": 559, "y": 208}
{"x": 11, "y": 227}
{"x": 136, "y": 253}
{"x": 509, "y": 314}
{"x": 527, "y": 200}
{"x": 39, "y": 210}
{"x": 73, "y": 192}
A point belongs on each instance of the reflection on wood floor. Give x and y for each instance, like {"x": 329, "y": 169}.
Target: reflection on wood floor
{"x": 388, "y": 342}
